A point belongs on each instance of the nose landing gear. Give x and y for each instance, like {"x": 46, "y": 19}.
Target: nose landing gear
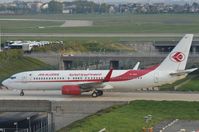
{"x": 21, "y": 93}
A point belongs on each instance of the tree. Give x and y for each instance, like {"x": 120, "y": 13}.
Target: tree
{"x": 55, "y": 7}
{"x": 104, "y": 8}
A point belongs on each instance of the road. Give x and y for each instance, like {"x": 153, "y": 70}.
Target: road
{"x": 108, "y": 96}
{"x": 136, "y": 35}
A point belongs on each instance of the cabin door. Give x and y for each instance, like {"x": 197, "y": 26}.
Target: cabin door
{"x": 156, "y": 77}
{"x": 26, "y": 77}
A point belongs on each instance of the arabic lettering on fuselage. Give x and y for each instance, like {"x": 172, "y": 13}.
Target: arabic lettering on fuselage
{"x": 85, "y": 74}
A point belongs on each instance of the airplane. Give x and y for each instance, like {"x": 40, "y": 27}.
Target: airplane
{"x": 76, "y": 82}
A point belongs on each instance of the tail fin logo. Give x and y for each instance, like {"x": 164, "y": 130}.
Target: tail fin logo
{"x": 177, "y": 57}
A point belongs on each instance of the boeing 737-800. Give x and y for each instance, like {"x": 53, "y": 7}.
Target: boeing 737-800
{"x": 75, "y": 82}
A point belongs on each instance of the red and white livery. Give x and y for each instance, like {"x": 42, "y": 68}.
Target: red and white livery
{"x": 75, "y": 82}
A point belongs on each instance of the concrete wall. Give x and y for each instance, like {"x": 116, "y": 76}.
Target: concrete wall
{"x": 60, "y": 113}
{"x": 67, "y": 112}
{"x": 25, "y": 106}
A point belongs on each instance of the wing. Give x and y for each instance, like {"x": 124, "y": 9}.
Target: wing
{"x": 98, "y": 85}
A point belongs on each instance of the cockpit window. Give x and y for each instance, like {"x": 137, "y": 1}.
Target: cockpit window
{"x": 13, "y": 77}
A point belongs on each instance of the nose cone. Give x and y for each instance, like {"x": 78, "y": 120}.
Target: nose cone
{"x": 5, "y": 83}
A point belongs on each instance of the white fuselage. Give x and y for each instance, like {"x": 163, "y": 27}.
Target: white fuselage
{"x": 54, "y": 80}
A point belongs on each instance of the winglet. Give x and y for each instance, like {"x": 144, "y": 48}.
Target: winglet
{"x": 136, "y": 66}
{"x": 108, "y": 76}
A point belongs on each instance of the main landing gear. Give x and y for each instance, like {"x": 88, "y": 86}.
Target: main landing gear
{"x": 22, "y": 93}
{"x": 97, "y": 93}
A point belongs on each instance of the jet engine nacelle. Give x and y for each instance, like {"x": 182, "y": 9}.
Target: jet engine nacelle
{"x": 71, "y": 90}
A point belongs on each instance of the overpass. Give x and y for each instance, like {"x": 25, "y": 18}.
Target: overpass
{"x": 29, "y": 106}
{"x": 104, "y": 61}
{"x": 167, "y": 46}
{"x": 148, "y": 53}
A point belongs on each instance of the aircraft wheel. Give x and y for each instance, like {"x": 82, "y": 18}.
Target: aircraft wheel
{"x": 94, "y": 94}
{"x": 100, "y": 92}
{"x": 22, "y": 93}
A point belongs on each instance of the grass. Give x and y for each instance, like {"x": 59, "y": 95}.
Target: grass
{"x": 85, "y": 46}
{"x": 108, "y": 23}
{"x": 12, "y": 62}
{"x": 192, "y": 85}
{"x": 83, "y": 39}
{"x": 24, "y": 26}
{"x": 130, "y": 117}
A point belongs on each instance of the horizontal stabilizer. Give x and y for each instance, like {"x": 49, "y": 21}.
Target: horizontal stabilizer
{"x": 183, "y": 72}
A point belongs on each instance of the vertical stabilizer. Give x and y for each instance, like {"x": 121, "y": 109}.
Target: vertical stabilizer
{"x": 177, "y": 59}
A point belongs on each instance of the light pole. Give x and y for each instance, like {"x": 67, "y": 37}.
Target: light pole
{"x": 147, "y": 119}
{"x": 16, "y": 125}
{"x": 29, "y": 124}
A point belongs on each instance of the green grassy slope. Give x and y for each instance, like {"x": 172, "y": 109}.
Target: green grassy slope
{"x": 130, "y": 118}
{"x": 13, "y": 62}
{"x": 77, "y": 46}
{"x": 192, "y": 85}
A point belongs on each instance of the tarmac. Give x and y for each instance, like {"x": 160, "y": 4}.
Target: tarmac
{"x": 55, "y": 95}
